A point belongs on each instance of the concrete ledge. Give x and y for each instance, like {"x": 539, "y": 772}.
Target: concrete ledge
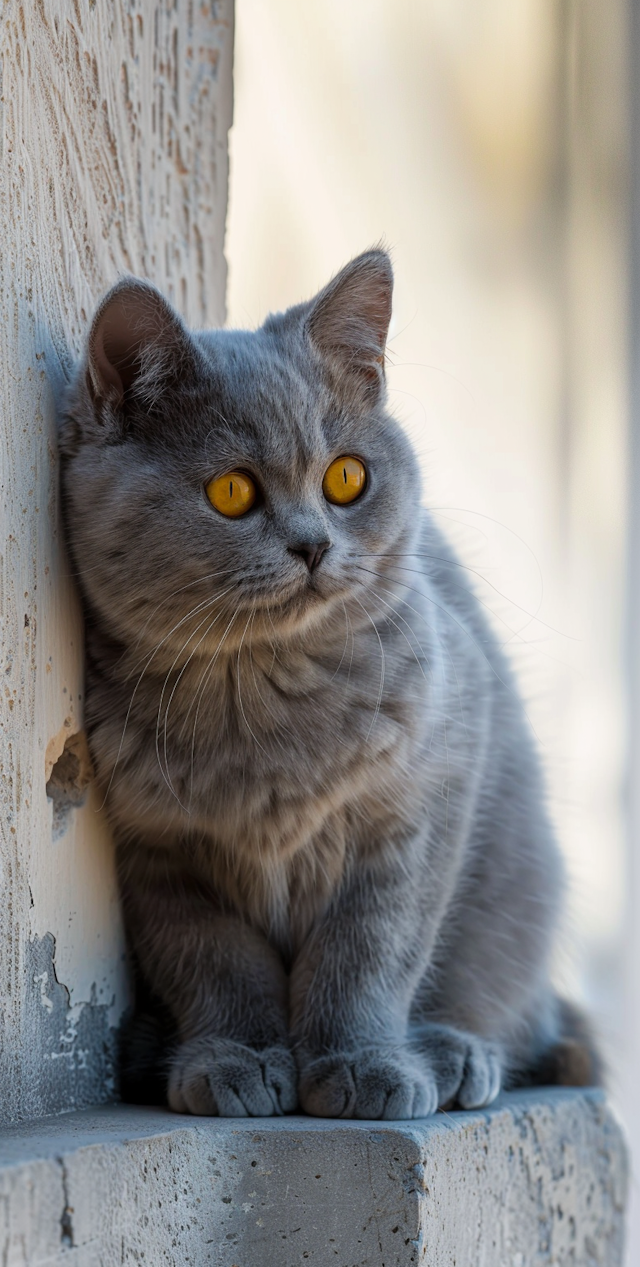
{"x": 539, "y": 1178}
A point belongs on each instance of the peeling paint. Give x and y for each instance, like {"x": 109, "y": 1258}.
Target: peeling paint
{"x": 68, "y": 781}
{"x": 74, "y": 1062}
{"x": 55, "y": 746}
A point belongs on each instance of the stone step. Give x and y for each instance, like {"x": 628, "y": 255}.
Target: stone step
{"x": 540, "y": 1178}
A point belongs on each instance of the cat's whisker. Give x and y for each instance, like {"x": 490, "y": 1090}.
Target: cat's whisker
{"x": 208, "y": 666}
{"x": 180, "y": 675}
{"x": 446, "y": 612}
{"x": 478, "y": 514}
{"x": 264, "y": 703}
{"x": 432, "y": 630}
{"x": 445, "y": 511}
{"x": 200, "y": 580}
{"x": 532, "y": 617}
{"x": 244, "y": 716}
{"x": 382, "y": 667}
{"x": 150, "y": 658}
{"x": 346, "y": 641}
{"x": 516, "y": 634}
{"x": 273, "y": 651}
{"x": 193, "y": 612}
{"x": 200, "y": 695}
{"x": 401, "y": 631}
{"x": 276, "y": 638}
{"x": 353, "y": 644}
{"x": 511, "y": 691}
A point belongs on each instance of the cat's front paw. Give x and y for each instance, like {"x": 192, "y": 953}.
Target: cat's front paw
{"x": 217, "y": 1077}
{"x": 467, "y": 1069}
{"x": 373, "y": 1083}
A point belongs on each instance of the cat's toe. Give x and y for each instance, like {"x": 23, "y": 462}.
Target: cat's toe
{"x": 467, "y": 1069}
{"x": 371, "y": 1085}
{"x": 281, "y": 1078}
{"x": 393, "y": 1088}
{"x": 482, "y": 1077}
{"x": 327, "y": 1087}
{"x": 218, "y": 1077}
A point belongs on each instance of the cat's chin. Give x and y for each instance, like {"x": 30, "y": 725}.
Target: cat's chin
{"x": 309, "y": 594}
{"x": 295, "y": 613}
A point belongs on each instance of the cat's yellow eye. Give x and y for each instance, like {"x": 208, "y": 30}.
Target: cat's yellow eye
{"x": 232, "y": 494}
{"x": 344, "y": 480}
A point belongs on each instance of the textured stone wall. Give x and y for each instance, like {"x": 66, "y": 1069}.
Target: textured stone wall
{"x": 113, "y": 158}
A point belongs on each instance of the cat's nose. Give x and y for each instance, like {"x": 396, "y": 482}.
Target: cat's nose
{"x": 310, "y": 551}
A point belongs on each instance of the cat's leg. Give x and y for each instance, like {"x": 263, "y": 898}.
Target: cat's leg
{"x": 427, "y": 981}
{"x": 225, "y": 987}
{"x": 490, "y": 978}
{"x": 351, "y": 992}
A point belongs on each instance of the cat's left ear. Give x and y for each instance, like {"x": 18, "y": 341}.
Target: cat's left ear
{"x": 138, "y": 346}
{"x": 349, "y": 321}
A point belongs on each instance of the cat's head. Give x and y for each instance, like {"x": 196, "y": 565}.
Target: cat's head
{"x": 235, "y": 475}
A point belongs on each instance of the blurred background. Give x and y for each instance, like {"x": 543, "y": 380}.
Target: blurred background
{"x": 486, "y": 144}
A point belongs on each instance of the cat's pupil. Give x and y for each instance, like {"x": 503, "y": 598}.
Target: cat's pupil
{"x": 344, "y": 474}
{"x": 230, "y": 489}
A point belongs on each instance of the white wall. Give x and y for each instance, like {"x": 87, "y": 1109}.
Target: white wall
{"x": 632, "y": 903}
{"x": 113, "y": 158}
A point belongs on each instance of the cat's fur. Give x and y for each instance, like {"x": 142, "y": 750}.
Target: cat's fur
{"x": 337, "y": 870}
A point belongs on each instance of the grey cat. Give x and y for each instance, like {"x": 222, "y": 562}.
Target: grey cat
{"x": 339, "y": 879}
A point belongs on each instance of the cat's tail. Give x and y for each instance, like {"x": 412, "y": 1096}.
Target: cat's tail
{"x": 572, "y": 1060}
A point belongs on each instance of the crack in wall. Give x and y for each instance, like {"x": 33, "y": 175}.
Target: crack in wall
{"x": 66, "y": 1222}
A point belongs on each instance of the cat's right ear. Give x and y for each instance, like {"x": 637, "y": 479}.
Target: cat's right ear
{"x": 137, "y": 349}
{"x": 348, "y": 323}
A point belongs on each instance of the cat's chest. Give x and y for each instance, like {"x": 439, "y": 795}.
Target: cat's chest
{"x": 279, "y": 746}
{"x": 269, "y": 756}
{"x": 288, "y": 786}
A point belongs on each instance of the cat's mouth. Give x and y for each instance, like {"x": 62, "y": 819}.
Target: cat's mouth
{"x": 296, "y": 599}
{"x": 318, "y": 586}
